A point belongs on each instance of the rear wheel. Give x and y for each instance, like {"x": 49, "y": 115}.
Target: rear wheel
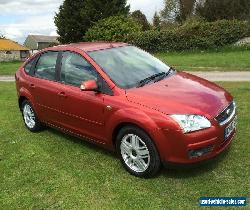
{"x": 137, "y": 152}
{"x": 30, "y": 118}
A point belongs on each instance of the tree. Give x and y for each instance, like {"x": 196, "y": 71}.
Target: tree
{"x": 178, "y": 10}
{"x": 141, "y": 19}
{"x": 186, "y": 9}
{"x": 171, "y": 10}
{"x": 156, "y": 21}
{"x": 213, "y": 10}
{"x": 69, "y": 21}
{"x": 94, "y": 10}
{"x": 76, "y": 17}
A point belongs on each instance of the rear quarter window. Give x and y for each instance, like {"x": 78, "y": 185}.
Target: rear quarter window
{"x": 28, "y": 66}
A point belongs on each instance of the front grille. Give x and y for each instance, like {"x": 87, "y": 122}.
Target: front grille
{"x": 227, "y": 114}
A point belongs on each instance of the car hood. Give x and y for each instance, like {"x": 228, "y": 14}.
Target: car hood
{"x": 182, "y": 93}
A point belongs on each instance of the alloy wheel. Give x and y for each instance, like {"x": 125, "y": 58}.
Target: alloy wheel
{"x": 29, "y": 116}
{"x": 135, "y": 153}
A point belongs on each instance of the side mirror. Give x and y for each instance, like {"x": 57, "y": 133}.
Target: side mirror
{"x": 89, "y": 85}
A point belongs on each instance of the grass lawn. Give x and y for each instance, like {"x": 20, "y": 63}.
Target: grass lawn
{"x": 9, "y": 68}
{"x": 50, "y": 170}
{"x": 223, "y": 60}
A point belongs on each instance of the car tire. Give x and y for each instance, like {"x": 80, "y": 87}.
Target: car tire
{"x": 137, "y": 152}
{"x": 30, "y": 118}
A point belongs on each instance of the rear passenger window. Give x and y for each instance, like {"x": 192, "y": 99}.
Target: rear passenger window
{"x": 75, "y": 69}
{"x": 46, "y": 66}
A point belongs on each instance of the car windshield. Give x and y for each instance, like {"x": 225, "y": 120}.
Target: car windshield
{"x": 127, "y": 66}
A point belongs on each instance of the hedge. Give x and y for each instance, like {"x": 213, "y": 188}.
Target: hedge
{"x": 116, "y": 28}
{"x": 189, "y": 36}
{"x": 198, "y": 35}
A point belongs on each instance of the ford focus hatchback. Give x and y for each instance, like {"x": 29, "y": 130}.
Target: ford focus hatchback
{"x": 120, "y": 97}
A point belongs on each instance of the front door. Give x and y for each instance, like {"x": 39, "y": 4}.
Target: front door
{"x": 83, "y": 112}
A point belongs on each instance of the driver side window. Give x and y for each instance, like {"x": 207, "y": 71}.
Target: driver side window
{"x": 75, "y": 69}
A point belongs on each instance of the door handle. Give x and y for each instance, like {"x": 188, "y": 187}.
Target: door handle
{"x": 32, "y": 86}
{"x": 62, "y": 94}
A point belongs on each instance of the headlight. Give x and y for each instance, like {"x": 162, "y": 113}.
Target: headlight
{"x": 190, "y": 123}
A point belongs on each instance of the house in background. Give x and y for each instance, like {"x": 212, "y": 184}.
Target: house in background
{"x": 39, "y": 42}
{"x": 12, "y": 51}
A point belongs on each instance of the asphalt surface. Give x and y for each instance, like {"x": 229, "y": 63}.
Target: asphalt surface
{"x": 7, "y": 78}
{"x": 234, "y": 76}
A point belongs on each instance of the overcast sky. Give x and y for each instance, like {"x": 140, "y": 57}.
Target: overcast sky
{"x": 18, "y": 18}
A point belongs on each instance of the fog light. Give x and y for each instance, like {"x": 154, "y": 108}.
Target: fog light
{"x": 199, "y": 152}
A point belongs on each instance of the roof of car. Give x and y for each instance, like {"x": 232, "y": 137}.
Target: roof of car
{"x": 93, "y": 46}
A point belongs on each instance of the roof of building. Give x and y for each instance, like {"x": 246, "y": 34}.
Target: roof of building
{"x": 93, "y": 46}
{"x": 42, "y": 38}
{"x": 9, "y": 45}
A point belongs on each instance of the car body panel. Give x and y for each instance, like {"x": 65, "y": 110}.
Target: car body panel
{"x": 182, "y": 93}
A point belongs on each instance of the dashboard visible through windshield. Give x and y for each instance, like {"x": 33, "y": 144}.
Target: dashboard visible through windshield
{"x": 127, "y": 66}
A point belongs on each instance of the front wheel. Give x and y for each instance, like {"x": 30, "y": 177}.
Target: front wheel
{"x": 137, "y": 152}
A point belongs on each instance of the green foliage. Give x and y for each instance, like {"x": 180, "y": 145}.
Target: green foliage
{"x": 76, "y": 17}
{"x": 213, "y": 10}
{"x": 193, "y": 35}
{"x": 94, "y": 10}
{"x": 186, "y": 9}
{"x": 69, "y": 21}
{"x": 116, "y": 28}
{"x": 177, "y": 10}
{"x": 141, "y": 19}
{"x": 171, "y": 10}
{"x": 156, "y": 21}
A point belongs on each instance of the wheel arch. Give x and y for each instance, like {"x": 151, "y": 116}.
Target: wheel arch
{"x": 24, "y": 94}
{"x": 119, "y": 127}
{"x": 129, "y": 117}
{"x": 21, "y": 99}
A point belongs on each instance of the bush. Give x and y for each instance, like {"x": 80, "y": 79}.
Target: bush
{"x": 192, "y": 35}
{"x": 117, "y": 28}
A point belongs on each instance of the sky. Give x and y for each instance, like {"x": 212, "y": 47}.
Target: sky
{"x": 18, "y": 18}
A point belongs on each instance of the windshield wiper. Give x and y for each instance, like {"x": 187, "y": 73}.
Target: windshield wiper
{"x": 160, "y": 77}
{"x": 151, "y": 78}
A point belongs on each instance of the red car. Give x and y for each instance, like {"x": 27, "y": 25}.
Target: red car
{"x": 120, "y": 97}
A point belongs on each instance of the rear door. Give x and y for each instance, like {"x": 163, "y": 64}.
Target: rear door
{"x": 44, "y": 87}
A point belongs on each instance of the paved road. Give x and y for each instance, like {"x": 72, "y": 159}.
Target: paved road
{"x": 7, "y": 79}
{"x": 237, "y": 76}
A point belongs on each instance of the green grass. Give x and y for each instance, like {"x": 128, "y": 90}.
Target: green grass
{"x": 222, "y": 60}
{"x": 9, "y": 68}
{"x": 50, "y": 170}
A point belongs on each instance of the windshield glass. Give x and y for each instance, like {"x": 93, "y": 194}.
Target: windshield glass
{"x": 127, "y": 66}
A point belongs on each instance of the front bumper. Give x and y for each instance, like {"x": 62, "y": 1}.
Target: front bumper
{"x": 174, "y": 146}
